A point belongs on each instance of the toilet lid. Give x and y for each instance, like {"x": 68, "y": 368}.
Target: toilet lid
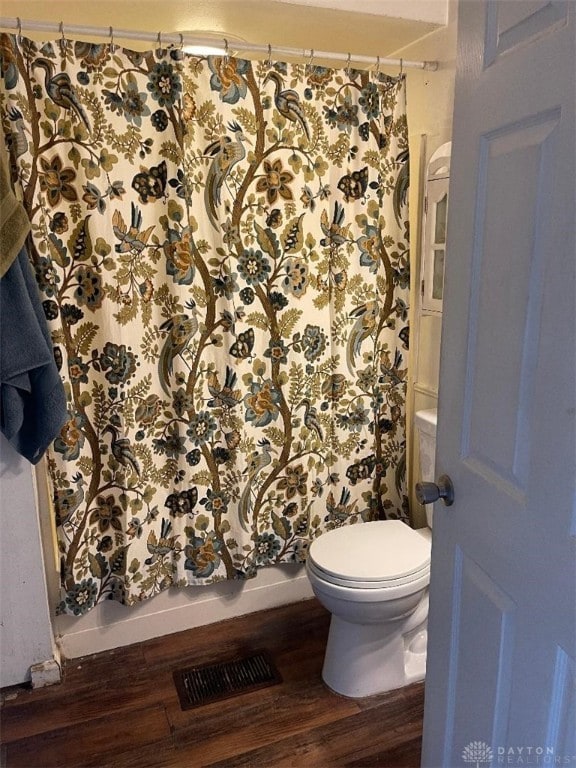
{"x": 380, "y": 551}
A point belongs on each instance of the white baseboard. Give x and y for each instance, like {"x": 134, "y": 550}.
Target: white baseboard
{"x": 111, "y": 625}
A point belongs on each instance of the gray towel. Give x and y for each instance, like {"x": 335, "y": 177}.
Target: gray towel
{"x": 32, "y": 398}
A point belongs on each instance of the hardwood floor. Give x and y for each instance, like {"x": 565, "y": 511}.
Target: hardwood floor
{"x": 120, "y": 709}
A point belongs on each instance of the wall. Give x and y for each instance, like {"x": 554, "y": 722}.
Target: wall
{"x": 25, "y": 629}
{"x": 430, "y": 98}
{"x": 372, "y": 29}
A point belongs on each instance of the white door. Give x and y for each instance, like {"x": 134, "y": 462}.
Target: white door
{"x": 500, "y": 687}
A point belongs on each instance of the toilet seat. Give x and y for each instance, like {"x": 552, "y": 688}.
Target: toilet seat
{"x": 376, "y": 555}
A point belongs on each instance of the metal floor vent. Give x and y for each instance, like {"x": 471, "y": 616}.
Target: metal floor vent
{"x": 214, "y": 682}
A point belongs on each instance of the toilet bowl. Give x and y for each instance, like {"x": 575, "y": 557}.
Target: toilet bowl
{"x": 374, "y": 579}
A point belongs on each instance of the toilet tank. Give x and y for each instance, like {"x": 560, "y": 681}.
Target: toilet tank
{"x": 425, "y": 422}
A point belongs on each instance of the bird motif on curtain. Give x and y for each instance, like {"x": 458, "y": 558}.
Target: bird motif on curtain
{"x": 226, "y": 153}
{"x": 288, "y": 103}
{"x": 18, "y": 140}
{"x": 223, "y": 396}
{"x": 159, "y": 547}
{"x": 180, "y": 330}
{"x": 311, "y": 418}
{"x": 132, "y": 238}
{"x": 256, "y": 463}
{"x": 61, "y": 91}
{"x": 67, "y": 500}
{"x": 121, "y": 449}
{"x": 366, "y": 317}
{"x": 402, "y": 184}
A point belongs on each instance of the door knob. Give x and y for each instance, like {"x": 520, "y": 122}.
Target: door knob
{"x": 427, "y": 493}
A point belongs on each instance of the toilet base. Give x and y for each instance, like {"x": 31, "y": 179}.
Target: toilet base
{"x": 363, "y": 660}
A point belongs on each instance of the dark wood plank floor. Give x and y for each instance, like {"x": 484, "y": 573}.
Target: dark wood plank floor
{"x": 120, "y": 709}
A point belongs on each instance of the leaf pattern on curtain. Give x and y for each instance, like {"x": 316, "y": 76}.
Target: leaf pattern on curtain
{"x": 222, "y": 251}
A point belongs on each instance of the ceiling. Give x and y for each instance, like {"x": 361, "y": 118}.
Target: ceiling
{"x": 435, "y": 11}
{"x": 300, "y": 24}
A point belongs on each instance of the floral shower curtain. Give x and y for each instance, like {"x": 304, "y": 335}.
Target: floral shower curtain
{"x": 222, "y": 251}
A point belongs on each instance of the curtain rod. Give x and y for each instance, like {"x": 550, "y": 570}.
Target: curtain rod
{"x": 180, "y": 39}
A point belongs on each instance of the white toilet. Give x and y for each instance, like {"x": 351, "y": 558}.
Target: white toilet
{"x": 374, "y": 578}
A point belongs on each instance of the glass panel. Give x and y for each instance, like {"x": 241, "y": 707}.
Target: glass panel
{"x": 440, "y": 225}
{"x": 438, "y": 274}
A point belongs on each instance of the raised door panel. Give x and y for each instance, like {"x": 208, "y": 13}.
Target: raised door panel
{"x": 512, "y": 221}
{"x": 482, "y": 651}
{"x": 511, "y": 23}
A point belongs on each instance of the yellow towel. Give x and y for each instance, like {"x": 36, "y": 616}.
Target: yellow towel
{"x": 14, "y": 223}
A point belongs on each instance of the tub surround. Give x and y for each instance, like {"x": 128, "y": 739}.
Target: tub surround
{"x": 111, "y": 625}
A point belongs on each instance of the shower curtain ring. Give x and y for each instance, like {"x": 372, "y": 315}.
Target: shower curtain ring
{"x": 310, "y": 60}
{"x": 226, "y": 52}
{"x": 112, "y": 43}
{"x": 401, "y": 67}
{"x": 181, "y": 42}
{"x": 269, "y": 62}
{"x": 377, "y": 67}
{"x": 159, "y": 40}
{"x": 347, "y": 70}
{"x": 18, "y": 32}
